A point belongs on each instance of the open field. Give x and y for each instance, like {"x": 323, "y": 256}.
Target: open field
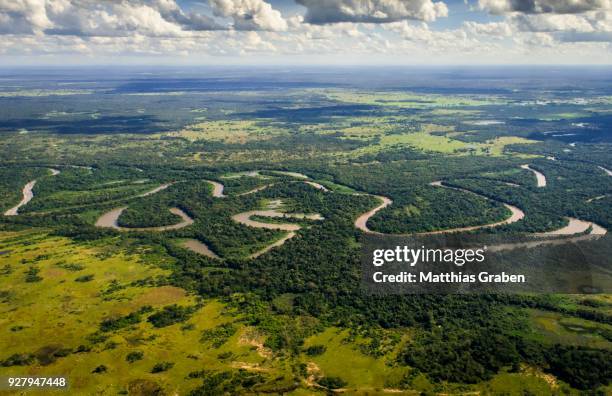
{"x": 82, "y": 330}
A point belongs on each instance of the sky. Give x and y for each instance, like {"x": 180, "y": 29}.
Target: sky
{"x": 305, "y": 32}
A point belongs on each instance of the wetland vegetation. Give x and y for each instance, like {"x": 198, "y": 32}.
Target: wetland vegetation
{"x": 246, "y": 204}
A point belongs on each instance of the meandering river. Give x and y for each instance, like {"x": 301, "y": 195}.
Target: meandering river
{"x": 199, "y": 247}
{"x": 245, "y": 218}
{"x": 608, "y": 171}
{"x": 217, "y": 189}
{"x": 28, "y": 194}
{"x": 541, "y": 179}
{"x": 575, "y": 227}
{"x": 110, "y": 220}
{"x": 361, "y": 222}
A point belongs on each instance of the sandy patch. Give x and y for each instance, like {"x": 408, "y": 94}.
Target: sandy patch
{"x": 109, "y": 220}
{"x": 199, "y": 247}
{"x": 608, "y": 171}
{"x": 217, "y": 189}
{"x": 317, "y": 185}
{"x": 27, "y": 197}
{"x": 541, "y": 179}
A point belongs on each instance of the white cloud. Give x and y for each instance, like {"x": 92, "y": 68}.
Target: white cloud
{"x": 491, "y": 29}
{"x": 250, "y": 14}
{"x": 127, "y": 17}
{"x": 421, "y": 32}
{"x": 552, "y": 23}
{"x": 372, "y": 11}
{"x": 558, "y": 20}
{"x": 335, "y": 30}
{"x": 23, "y": 16}
{"x": 543, "y": 6}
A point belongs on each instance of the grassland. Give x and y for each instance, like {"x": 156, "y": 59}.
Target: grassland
{"x": 438, "y": 139}
{"x": 240, "y": 131}
{"x": 57, "y": 321}
{"x": 107, "y": 308}
{"x": 57, "y": 318}
{"x": 410, "y": 100}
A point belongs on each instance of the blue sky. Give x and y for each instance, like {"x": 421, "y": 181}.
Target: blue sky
{"x": 411, "y": 32}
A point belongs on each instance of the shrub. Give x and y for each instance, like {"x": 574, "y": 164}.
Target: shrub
{"x": 225, "y": 355}
{"x": 18, "y": 359}
{"x": 97, "y": 337}
{"x": 121, "y": 322}
{"x": 17, "y": 328}
{"x": 82, "y": 349}
{"x": 170, "y": 315}
{"x": 100, "y": 369}
{"x": 332, "y": 382}
{"x": 163, "y": 366}
{"x": 84, "y": 278}
{"x": 134, "y": 356}
{"x": 32, "y": 275}
{"x": 71, "y": 267}
{"x": 49, "y": 354}
{"x": 218, "y": 335}
{"x": 315, "y": 350}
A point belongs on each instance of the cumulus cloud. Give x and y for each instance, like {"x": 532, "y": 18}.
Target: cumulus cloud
{"x": 126, "y": 17}
{"x": 552, "y": 23}
{"x": 556, "y": 20}
{"x": 25, "y": 16}
{"x": 371, "y": 11}
{"x": 491, "y": 29}
{"x": 170, "y": 11}
{"x": 338, "y": 30}
{"x": 108, "y": 19}
{"x": 589, "y": 26}
{"x": 543, "y": 6}
{"x": 249, "y": 14}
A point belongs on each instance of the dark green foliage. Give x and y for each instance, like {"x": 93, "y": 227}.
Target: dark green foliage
{"x": 71, "y": 266}
{"x": 13, "y": 178}
{"x": 170, "y": 315}
{"x": 84, "y": 278}
{"x": 188, "y": 326}
{"x": 7, "y": 269}
{"x": 134, "y": 356}
{"x": 132, "y": 318}
{"x": 49, "y": 354}
{"x": 592, "y": 303}
{"x": 161, "y": 367}
{"x": 82, "y": 349}
{"x": 17, "y": 328}
{"x": 466, "y": 356}
{"x": 32, "y": 275}
{"x": 119, "y": 323}
{"x": 419, "y": 210}
{"x": 97, "y": 337}
{"x": 19, "y": 359}
{"x": 217, "y": 336}
{"x": 583, "y": 368}
{"x": 332, "y": 382}
{"x": 110, "y": 345}
{"x": 153, "y": 211}
{"x": 285, "y": 333}
{"x": 315, "y": 350}
{"x": 459, "y": 338}
{"x": 100, "y": 369}
{"x": 225, "y": 355}
{"x": 225, "y": 382}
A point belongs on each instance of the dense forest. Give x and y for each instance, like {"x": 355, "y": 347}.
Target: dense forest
{"x": 351, "y": 151}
